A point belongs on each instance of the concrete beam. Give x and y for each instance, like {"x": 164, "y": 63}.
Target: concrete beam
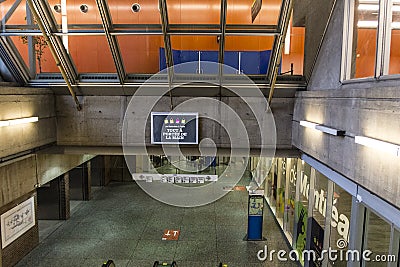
{"x": 101, "y": 120}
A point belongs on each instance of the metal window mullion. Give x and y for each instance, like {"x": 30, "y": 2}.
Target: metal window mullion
{"x": 328, "y": 221}
{"x": 364, "y": 239}
{"x": 311, "y": 203}
{"x": 221, "y": 50}
{"x": 345, "y": 41}
{"x": 287, "y": 186}
{"x": 31, "y": 45}
{"x": 387, "y": 38}
{"x": 49, "y": 24}
{"x": 380, "y": 39}
{"x": 394, "y": 245}
{"x": 297, "y": 201}
{"x": 274, "y": 62}
{"x": 10, "y": 12}
{"x": 347, "y": 45}
{"x": 112, "y": 41}
{"x": 357, "y": 224}
{"x": 168, "y": 48}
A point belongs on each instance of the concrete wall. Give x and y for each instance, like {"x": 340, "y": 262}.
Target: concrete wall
{"x": 17, "y": 178}
{"x": 368, "y": 108}
{"x": 100, "y": 122}
{"x": 373, "y": 112}
{"x": 26, "y": 102}
{"x": 18, "y": 181}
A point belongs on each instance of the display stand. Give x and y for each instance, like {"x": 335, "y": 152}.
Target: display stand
{"x": 255, "y": 215}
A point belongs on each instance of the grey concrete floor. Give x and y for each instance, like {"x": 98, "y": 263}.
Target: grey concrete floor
{"x": 124, "y": 224}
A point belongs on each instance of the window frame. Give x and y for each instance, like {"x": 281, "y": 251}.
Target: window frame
{"x": 383, "y": 43}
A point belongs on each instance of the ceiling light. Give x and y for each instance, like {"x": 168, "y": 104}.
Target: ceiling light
{"x": 378, "y": 144}
{"x": 322, "y": 128}
{"x": 84, "y": 8}
{"x": 374, "y": 24}
{"x": 57, "y": 8}
{"x": 18, "y": 121}
{"x": 368, "y": 7}
{"x": 329, "y": 130}
{"x": 135, "y": 7}
{"x": 308, "y": 124}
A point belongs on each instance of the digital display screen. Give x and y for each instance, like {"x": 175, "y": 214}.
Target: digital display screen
{"x": 174, "y": 128}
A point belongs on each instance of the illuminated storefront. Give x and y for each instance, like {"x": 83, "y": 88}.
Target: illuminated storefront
{"x": 318, "y": 209}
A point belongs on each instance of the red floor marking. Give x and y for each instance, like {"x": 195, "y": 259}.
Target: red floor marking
{"x": 170, "y": 234}
{"x": 239, "y": 188}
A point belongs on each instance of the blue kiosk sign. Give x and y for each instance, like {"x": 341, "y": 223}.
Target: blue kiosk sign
{"x": 255, "y": 215}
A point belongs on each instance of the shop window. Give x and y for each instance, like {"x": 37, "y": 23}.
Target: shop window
{"x": 271, "y": 186}
{"x": 291, "y": 195}
{"x": 280, "y": 190}
{"x": 376, "y": 239}
{"x": 318, "y": 216}
{"x": 302, "y": 209}
{"x": 340, "y": 222}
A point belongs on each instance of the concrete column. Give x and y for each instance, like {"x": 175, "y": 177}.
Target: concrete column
{"x": 64, "y": 197}
{"x": 107, "y": 170}
{"x": 53, "y": 199}
{"x": 118, "y": 170}
{"x": 98, "y": 171}
{"x": 79, "y": 182}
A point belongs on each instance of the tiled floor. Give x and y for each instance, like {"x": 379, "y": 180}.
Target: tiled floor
{"x": 123, "y": 223}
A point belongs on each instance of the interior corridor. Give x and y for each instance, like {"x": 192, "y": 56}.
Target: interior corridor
{"x": 126, "y": 225}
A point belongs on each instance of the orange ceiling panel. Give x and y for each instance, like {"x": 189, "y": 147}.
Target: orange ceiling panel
{"x": 239, "y": 12}
{"x": 193, "y": 11}
{"x": 194, "y": 43}
{"x": 248, "y": 43}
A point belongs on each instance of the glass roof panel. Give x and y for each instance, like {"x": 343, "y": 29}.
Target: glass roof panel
{"x": 91, "y": 54}
{"x": 21, "y": 44}
{"x": 249, "y": 54}
{"x": 18, "y": 17}
{"x": 141, "y": 53}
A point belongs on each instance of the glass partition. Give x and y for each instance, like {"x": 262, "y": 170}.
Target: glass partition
{"x": 376, "y": 239}
{"x": 340, "y": 221}
{"x": 364, "y": 38}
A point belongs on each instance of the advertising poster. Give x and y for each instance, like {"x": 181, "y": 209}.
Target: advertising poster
{"x": 17, "y": 221}
{"x": 301, "y": 230}
{"x": 317, "y": 242}
{"x": 256, "y": 205}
